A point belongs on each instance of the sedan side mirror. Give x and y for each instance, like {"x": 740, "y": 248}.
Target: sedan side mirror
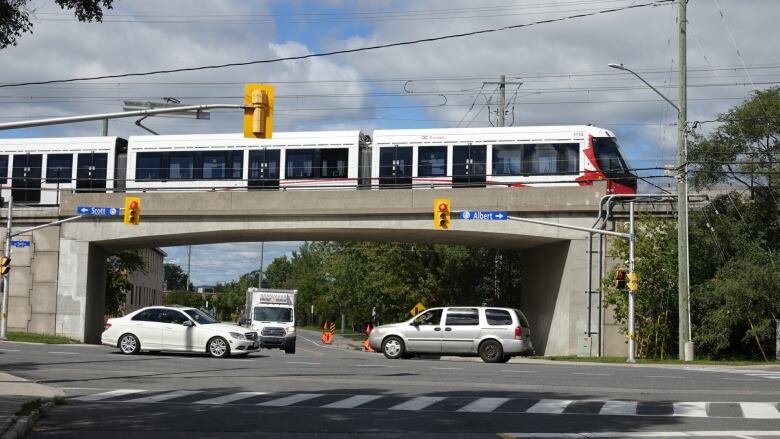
{"x": 188, "y": 323}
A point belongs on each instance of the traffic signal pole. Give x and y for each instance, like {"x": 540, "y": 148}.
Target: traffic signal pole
{"x": 7, "y": 278}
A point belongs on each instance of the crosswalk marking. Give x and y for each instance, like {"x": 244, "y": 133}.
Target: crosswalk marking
{"x": 418, "y": 403}
{"x": 550, "y": 406}
{"x": 164, "y": 396}
{"x": 620, "y": 408}
{"x": 759, "y": 410}
{"x": 230, "y": 398}
{"x": 351, "y": 402}
{"x": 290, "y": 400}
{"x": 109, "y": 394}
{"x": 690, "y": 409}
{"x": 483, "y": 405}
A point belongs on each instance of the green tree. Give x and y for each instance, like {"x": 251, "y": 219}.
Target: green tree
{"x": 185, "y": 298}
{"x": 656, "y": 300}
{"x": 175, "y": 277}
{"x": 15, "y": 16}
{"x": 118, "y": 269}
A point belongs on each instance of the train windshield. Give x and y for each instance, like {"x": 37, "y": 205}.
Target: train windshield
{"x": 609, "y": 156}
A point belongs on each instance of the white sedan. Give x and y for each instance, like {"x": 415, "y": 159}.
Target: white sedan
{"x": 177, "y": 328}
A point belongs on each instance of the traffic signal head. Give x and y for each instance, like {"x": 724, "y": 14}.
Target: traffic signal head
{"x": 620, "y": 279}
{"x": 132, "y": 210}
{"x": 441, "y": 213}
{"x": 633, "y": 281}
{"x": 258, "y": 111}
{"x": 5, "y": 265}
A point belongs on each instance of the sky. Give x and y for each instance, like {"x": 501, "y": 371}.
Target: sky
{"x": 556, "y": 71}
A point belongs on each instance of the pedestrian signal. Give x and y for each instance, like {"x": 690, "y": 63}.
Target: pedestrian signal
{"x": 5, "y": 265}
{"x": 620, "y": 279}
{"x": 633, "y": 281}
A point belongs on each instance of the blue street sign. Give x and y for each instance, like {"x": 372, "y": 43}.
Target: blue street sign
{"x": 484, "y": 215}
{"x": 20, "y": 243}
{"x": 98, "y": 211}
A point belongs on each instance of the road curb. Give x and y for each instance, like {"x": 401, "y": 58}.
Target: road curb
{"x": 24, "y": 424}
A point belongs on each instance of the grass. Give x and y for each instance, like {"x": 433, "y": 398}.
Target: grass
{"x": 656, "y": 361}
{"x": 30, "y": 337}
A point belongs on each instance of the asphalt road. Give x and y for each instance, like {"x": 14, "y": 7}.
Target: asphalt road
{"x": 327, "y": 392}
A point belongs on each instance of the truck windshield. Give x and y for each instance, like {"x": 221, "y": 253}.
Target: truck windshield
{"x": 272, "y": 314}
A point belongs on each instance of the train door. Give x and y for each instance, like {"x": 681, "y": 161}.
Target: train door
{"x": 91, "y": 172}
{"x": 26, "y": 181}
{"x": 469, "y": 165}
{"x": 264, "y": 169}
{"x": 395, "y": 166}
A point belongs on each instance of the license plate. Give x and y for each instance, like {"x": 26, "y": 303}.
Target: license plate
{"x": 255, "y": 345}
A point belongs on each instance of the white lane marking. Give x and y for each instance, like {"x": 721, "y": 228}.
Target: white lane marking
{"x": 290, "y": 400}
{"x": 302, "y": 362}
{"x": 620, "y": 408}
{"x": 418, "y": 403}
{"x": 9, "y": 350}
{"x": 741, "y": 379}
{"x": 447, "y": 368}
{"x": 230, "y": 398}
{"x": 164, "y": 396}
{"x": 483, "y": 405}
{"x": 591, "y": 374}
{"x": 518, "y": 371}
{"x": 665, "y": 376}
{"x": 109, "y": 394}
{"x": 622, "y": 434}
{"x": 690, "y": 409}
{"x": 64, "y": 353}
{"x": 759, "y": 410}
{"x": 550, "y": 406}
{"x": 374, "y": 365}
{"x": 351, "y": 402}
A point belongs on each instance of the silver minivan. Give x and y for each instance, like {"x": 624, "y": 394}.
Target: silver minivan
{"x": 495, "y": 334}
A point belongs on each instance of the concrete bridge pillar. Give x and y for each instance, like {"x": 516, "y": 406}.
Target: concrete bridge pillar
{"x": 554, "y": 279}
{"x": 81, "y": 294}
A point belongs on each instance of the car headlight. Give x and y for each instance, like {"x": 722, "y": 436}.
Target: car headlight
{"x": 291, "y": 329}
{"x": 237, "y": 336}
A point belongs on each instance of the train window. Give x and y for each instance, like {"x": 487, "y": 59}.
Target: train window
{"x": 236, "y": 165}
{"x": 3, "y": 169}
{"x": 59, "y": 168}
{"x": 432, "y": 161}
{"x": 181, "y": 165}
{"x": 608, "y": 156}
{"x": 542, "y": 159}
{"x": 215, "y": 165}
{"x": 149, "y": 166}
{"x": 300, "y": 163}
{"x": 508, "y": 159}
{"x": 333, "y": 163}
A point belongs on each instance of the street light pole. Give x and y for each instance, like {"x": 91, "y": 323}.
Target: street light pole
{"x": 685, "y": 349}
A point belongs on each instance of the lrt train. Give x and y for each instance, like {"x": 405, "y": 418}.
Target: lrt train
{"x": 33, "y": 170}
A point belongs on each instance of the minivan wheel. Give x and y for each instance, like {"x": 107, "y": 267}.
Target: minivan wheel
{"x": 393, "y": 347}
{"x": 491, "y": 351}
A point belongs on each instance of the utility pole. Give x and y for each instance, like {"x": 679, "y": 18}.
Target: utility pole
{"x": 189, "y": 265}
{"x": 7, "y": 278}
{"x": 502, "y": 97}
{"x": 683, "y": 284}
{"x": 260, "y": 276}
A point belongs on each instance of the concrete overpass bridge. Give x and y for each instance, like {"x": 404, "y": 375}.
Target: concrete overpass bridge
{"x": 64, "y": 290}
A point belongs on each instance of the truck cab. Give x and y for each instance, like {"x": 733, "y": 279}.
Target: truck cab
{"x": 272, "y": 315}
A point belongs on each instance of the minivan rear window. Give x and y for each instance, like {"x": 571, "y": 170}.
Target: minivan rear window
{"x": 498, "y": 317}
{"x": 521, "y": 318}
{"x": 462, "y": 316}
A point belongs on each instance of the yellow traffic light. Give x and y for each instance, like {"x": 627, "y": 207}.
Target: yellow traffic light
{"x": 258, "y": 111}
{"x": 5, "y": 265}
{"x": 441, "y": 213}
{"x": 132, "y": 210}
{"x": 633, "y": 281}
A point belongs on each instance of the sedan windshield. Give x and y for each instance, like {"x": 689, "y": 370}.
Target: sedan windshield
{"x": 200, "y": 316}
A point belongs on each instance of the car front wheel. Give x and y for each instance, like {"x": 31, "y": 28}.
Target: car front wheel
{"x": 491, "y": 351}
{"x": 218, "y": 347}
{"x": 129, "y": 344}
{"x": 393, "y": 347}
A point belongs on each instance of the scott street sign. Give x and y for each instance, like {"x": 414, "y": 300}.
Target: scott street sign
{"x": 98, "y": 211}
{"x": 483, "y": 215}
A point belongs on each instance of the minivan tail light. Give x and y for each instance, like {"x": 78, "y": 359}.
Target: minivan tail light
{"x": 518, "y": 332}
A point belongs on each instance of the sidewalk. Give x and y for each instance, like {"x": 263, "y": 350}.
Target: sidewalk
{"x": 14, "y": 393}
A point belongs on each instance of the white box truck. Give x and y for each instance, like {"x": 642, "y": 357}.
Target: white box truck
{"x": 272, "y": 315}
